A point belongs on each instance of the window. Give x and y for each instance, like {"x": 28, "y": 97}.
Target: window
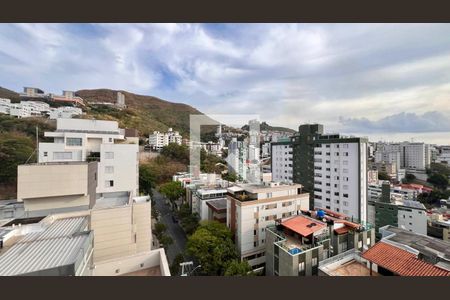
{"x": 254, "y": 232}
{"x": 360, "y": 244}
{"x": 110, "y": 140}
{"x": 109, "y": 183}
{"x": 45, "y": 153}
{"x": 109, "y": 169}
{"x": 301, "y": 268}
{"x": 314, "y": 261}
{"x": 62, "y": 155}
{"x": 255, "y": 244}
{"x": 73, "y": 141}
{"x": 109, "y": 155}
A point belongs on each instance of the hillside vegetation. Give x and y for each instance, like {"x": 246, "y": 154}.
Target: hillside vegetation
{"x": 145, "y": 113}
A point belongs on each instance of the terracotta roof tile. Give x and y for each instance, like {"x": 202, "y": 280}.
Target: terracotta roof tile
{"x": 401, "y": 262}
{"x": 301, "y": 225}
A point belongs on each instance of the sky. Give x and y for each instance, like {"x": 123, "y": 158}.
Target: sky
{"x": 388, "y": 82}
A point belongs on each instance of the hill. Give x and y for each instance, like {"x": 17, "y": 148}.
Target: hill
{"x": 267, "y": 127}
{"x": 5, "y": 93}
{"x": 145, "y": 113}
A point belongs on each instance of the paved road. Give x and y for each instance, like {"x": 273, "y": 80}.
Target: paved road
{"x": 173, "y": 229}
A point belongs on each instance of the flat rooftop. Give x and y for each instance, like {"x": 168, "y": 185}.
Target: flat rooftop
{"x": 110, "y": 200}
{"x": 218, "y": 205}
{"x": 351, "y": 268}
{"x": 424, "y": 244}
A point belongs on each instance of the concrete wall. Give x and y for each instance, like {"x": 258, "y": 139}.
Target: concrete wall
{"x": 125, "y": 168}
{"x": 133, "y": 263}
{"x": 42, "y": 181}
{"x": 121, "y": 231}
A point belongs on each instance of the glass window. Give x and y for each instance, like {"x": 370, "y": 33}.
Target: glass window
{"x": 73, "y": 141}
{"x": 109, "y": 169}
{"x": 62, "y": 155}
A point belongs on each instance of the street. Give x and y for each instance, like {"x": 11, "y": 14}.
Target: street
{"x": 174, "y": 230}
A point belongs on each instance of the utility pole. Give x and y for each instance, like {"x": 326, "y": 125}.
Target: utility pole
{"x": 37, "y": 143}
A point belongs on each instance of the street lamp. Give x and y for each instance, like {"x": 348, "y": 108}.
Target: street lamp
{"x": 185, "y": 264}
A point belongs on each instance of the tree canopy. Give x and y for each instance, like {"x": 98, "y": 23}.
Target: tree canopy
{"x": 211, "y": 245}
{"x": 383, "y": 176}
{"x": 439, "y": 181}
{"x": 238, "y": 268}
{"x": 147, "y": 179}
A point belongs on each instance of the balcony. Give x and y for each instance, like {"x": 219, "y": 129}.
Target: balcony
{"x": 93, "y": 156}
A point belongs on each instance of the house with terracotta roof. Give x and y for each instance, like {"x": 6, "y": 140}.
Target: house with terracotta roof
{"x": 399, "y": 253}
{"x": 295, "y": 246}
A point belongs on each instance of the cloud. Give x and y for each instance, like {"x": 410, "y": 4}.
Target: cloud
{"x": 431, "y": 121}
{"x": 286, "y": 73}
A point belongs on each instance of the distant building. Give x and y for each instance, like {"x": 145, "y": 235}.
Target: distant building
{"x": 406, "y": 214}
{"x": 438, "y": 227}
{"x": 120, "y": 100}
{"x": 282, "y": 161}
{"x": 372, "y": 177}
{"x": 414, "y": 156}
{"x": 158, "y": 140}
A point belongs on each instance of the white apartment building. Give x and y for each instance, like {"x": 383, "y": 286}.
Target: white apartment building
{"x": 340, "y": 176}
{"x": 5, "y": 105}
{"x": 19, "y": 111}
{"x": 416, "y": 156}
{"x": 96, "y": 140}
{"x": 282, "y": 162}
{"x": 26, "y": 109}
{"x": 64, "y": 112}
{"x": 158, "y": 140}
{"x": 444, "y": 155}
{"x": 251, "y": 208}
{"x": 237, "y": 158}
{"x": 411, "y": 215}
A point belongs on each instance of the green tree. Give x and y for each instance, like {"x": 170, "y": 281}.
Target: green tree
{"x": 212, "y": 247}
{"x": 147, "y": 180}
{"x": 176, "y": 152}
{"x": 159, "y": 229}
{"x": 172, "y": 190}
{"x": 175, "y": 267}
{"x": 230, "y": 176}
{"x": 15, "y": 149}
{"x": 409, "y": 178}
{"x": 188, "y": 220}
{"x": 238, "y": 268}
{"x": 439, "y": 181}
{"x": 383, "y": 176}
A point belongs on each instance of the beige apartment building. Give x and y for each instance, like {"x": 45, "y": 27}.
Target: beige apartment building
{"x": 121, "y": 223}
{"x": 46, "y": 188}
{"x": 251, "y": 208}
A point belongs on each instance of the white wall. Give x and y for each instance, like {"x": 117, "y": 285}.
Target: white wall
{"x": 281, "y": 159}
{"x": 338, "y": 173}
